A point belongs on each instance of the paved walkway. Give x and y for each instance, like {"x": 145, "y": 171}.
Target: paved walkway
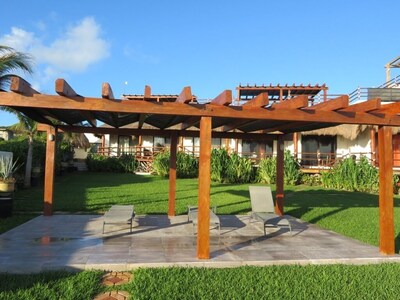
{"x": 76, "y": 242}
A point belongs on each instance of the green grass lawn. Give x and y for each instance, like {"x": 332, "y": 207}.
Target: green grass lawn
{"x": 351, "y": 214}
{"x": 274, "y": 282}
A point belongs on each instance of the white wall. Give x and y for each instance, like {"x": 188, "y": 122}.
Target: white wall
{"x": 361, "y": 145}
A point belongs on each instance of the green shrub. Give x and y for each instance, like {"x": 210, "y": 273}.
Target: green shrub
{"x": 350, "y": 175}
{"x": 219, "y": 163}
{"x": 292, "y": 173}
{"x": 100, "y": 163}
{"x": 239, "y": 169}
{"x": 266, "y": 171}
{"x": 161, "y": 164}
{"x": 187, "y": 166}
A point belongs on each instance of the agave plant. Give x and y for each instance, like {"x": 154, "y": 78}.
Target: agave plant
{"x": 7, "y": 169}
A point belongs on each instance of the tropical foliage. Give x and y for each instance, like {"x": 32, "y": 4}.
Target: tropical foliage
{"x": 122, "y": 164}
{"x": 351, "y": 175}
{"x": 187, "y": 166}
{"x": 11, "y": 61}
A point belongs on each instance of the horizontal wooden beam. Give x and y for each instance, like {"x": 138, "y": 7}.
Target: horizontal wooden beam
{"x": 391, "y": 108}
{"x": 106, "y": 91}
{"x": 171, "y": 108}
{"x": 334, "y": 104}
{"x": 294, "y": 103}
{"x": 257, "y": 102}
{"x": 21, "y": 86}
{"x": 366, "y": 106}
{"x": 225, "y": 98}
{"x": 64, "y": 89}
{"x": 185, "y": 96}
{"x": 161, "y": 133}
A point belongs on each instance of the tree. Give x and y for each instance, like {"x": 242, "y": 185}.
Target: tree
{"x": 11, "y": 61}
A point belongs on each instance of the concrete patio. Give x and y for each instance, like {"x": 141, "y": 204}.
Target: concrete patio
{"x": 76, "y": 242}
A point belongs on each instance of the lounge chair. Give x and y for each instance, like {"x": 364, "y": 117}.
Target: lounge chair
{"x": 263, "y": 210}
{"x": 119, "y": 214}
{"x": 214, "y": 219}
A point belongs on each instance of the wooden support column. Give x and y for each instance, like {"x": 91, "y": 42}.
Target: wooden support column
{"x": 203, "y": 227}
{"x": 386, "y": 218}
{"x": 49, "y": 170}
{"x": 295, "y": 144}
{"x": 279, "y": 176}
{"x": 172, "y": 175}
{"x": 373, "y": 146}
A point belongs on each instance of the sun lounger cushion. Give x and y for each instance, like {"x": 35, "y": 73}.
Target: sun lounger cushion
{"x": 262, "y": 206}
{"x": 119, "y": 214}
{"x": 193, "y": 216}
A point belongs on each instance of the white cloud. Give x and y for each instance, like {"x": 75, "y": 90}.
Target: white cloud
{"x": 19, "y": 39}
{"x": 78, "y": 48}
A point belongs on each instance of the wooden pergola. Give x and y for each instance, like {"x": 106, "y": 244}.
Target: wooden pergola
{"x": 258, "y": 118}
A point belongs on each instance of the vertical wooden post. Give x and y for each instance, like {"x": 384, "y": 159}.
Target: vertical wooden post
{"x": 386, "y": 222}
{"x": 203, "y": 225}
{"x": 373, "y": 146}
{"x": 295, "y": 144}
{"x": 172, "y": 175}
{"x": 279, "y": 176}
{"x": 49, "y": 170}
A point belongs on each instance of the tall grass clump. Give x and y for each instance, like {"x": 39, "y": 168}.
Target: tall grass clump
{"x": 350, "y": 175}
{"x": 100, "y": 163}
{"x": 187, "y": 166}
{"x": 266, "y": 171}
{"x": 219, "y": 164}
{"x": 239, "y": 169}
{"x": 291, "y": 169}
{"x": 161, "y": 163}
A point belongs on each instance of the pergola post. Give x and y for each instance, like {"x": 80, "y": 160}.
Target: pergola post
{"x": 373, "y": 146}
{"x": 49, "y": 170}
{"x": 203, "y": 226}
{"x": 172, "y": 175}
{"x": 386, "y": 221}
{"x": 279, "y": 176}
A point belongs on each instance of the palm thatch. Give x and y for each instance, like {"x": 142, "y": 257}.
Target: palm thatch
{"x": 348, "y": 131}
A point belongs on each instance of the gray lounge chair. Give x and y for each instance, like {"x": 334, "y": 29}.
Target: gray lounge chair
{"x": 263, "y": 210}
{"x": 214, "y": 219}
{"x": 119, "y": 214}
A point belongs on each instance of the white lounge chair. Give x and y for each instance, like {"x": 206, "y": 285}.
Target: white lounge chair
{"x": 119, "y": 214}
{"x": 263, "y": 210}
{"x": 214, "y": 219}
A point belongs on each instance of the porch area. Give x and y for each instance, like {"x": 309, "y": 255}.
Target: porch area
{"x": 76, "y": 242}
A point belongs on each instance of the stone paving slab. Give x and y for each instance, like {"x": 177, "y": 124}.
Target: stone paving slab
{"x": 76, "y": 242}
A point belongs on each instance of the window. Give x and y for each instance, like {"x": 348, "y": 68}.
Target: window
{"x": 318, "y": 150}
{"x": 254, "y": 148}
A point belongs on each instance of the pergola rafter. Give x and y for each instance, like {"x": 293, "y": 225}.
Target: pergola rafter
{"x": 296, "y": 111}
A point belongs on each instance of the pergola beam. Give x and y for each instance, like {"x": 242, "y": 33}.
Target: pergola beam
{"x": 21, "y": 86}
{"x": 309, "y": 114}
{"x": 161, "y": 133}
{"x": 294, "y": 103}
{"x": 64, "y": 89}
{"x": 257, "y": 102}
{"x": 106, "y": 91}
{"x": 225, "y": 98}
{"x": 185, "y": 96}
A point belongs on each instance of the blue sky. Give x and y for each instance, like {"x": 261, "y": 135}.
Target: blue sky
{"x": 209, "y": 45}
